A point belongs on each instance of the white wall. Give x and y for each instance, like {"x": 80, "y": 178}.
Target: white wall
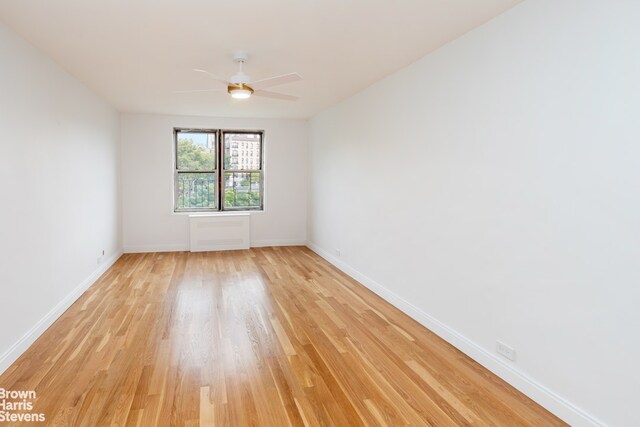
{"x": 60, "y": 191}
{"x": 147, "y": 172}
{"x": 494, "y": 184}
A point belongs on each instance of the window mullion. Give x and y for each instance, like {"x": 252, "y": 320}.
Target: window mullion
{"x": 220, "y": 167}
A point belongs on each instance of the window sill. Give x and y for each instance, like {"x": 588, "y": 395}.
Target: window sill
{"x": 220, "y": 213}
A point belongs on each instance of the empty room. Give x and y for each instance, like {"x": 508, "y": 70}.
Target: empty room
{"x": 320, "y": 213}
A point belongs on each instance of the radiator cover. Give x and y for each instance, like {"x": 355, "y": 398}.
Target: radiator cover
{"x": 220, "y": 232}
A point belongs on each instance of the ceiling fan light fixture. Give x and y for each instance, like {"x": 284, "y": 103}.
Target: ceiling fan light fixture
{"x": 241, "y": 91}
{"x": 241, "y": 94}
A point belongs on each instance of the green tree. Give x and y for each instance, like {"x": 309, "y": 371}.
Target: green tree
{"x": 194, "y": 157}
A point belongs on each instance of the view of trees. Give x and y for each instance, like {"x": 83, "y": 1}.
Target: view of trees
{"x": 242, "y": 189}
{"x": 194, "y": 157}
{"x": 198, "y": 189}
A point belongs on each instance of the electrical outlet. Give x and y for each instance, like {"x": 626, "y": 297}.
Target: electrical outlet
{"x": 338, "y": 252}
{"x": 99, "y": 260}
{"x": 505, "y": 351}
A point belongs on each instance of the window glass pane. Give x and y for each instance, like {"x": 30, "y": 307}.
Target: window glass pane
{"x": 196, "y": 190}
{"x": 242, "y": 189}
{"x": 196, "y": 151}
{"x": 242, "y": 151}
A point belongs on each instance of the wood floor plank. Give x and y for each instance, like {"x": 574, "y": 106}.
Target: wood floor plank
{"x": 262, "y": 337}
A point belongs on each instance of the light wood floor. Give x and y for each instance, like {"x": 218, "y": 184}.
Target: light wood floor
{"x": 263, "y": 337}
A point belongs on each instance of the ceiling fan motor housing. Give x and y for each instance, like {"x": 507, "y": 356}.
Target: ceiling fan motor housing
{"x": 240, "y": 78}
{"x": 239, "y": 86}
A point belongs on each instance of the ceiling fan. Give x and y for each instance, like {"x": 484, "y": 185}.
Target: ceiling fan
{"x": 240, "y": 86}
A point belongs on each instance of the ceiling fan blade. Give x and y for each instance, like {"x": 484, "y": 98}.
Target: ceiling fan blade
{"x": 275, "y": 81}
{"x": 197, "y": 90}
{"x": 213, "y": 76}
{"x": 275, "y": 95}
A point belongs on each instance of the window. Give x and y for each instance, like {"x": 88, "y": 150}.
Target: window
{"x": 218, "y": 170}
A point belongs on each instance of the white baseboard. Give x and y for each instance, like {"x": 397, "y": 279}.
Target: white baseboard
{"x": 16, "y": 350}
{"x": 181, "y": 248}
{"x": 277, "y": 242}
{"x": 156, "y": 248}
{"x": 528, "y": 386}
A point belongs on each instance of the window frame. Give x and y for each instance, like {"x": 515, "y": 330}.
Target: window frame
{"x": 219, "y": 171}
{"x": 223, "y": 171}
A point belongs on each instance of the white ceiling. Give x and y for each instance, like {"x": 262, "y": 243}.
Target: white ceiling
{"x": 134, "y": 53}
